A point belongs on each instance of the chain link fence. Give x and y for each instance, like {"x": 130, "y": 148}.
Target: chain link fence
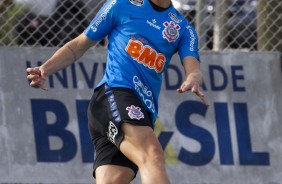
{"x": 221, "y": 24}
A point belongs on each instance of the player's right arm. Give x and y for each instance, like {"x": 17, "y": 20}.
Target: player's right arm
{"x": 100, "y": 26}
{"x": 61, "y": 59}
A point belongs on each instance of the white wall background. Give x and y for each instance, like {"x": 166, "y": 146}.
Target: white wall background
{"x": 252, "y": 80}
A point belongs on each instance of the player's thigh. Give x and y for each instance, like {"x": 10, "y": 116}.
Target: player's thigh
{"x": 140, "y": 144}
{"x": 113, "y": 174}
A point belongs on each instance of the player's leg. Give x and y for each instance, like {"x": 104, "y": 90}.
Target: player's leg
{"x": 141, "y": 146}
{"x": 110, "y": 165}
{"x": 120, "y": 143}
{"x": 113, "y": 174}
{"x": 134, "y": 136}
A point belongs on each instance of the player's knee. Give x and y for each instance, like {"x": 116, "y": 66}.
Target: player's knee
{"x": 110, "y": 180}
{"x": 157, "y": 156}
{"x": 154, "y": 156}
{"x": 110, "y": 174}
{"x": 114, "y": 179}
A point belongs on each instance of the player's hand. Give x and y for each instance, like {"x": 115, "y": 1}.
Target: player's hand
{"x": 194, "y": 85}
{"x": 37, "y": 76}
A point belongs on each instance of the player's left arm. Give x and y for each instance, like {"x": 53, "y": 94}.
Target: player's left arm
{"x": 189, "y": 56}
{"x": 193, "y": 78}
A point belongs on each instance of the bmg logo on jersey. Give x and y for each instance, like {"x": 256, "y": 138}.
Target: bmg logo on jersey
{"x": 146, "y": 55}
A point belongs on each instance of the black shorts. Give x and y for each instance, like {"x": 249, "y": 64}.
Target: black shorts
{"x": 108, "y": 109}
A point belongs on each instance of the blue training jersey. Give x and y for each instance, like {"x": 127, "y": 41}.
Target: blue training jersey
{"x": 141, "y": 44}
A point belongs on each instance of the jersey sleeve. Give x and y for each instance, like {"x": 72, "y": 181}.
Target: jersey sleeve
{"x": 188, "y": 45}
{"x": 103, "y": 22}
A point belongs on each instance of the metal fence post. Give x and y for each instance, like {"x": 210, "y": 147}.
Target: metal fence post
{"x": 220, "y": 30}
{"x": 200, "y": 23}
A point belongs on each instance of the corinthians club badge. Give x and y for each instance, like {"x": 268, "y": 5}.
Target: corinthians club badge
{"x": 170, "y": 31}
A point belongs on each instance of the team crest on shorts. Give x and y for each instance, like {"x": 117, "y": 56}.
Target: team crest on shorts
{"x": 137, "y": 2}
{"x": 135, "y": 112}
{"x": 170, "y": 31}
{"x": 112, "y": 132}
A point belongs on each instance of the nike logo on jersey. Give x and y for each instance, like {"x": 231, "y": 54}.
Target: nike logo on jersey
{"x": 145, "y": 55}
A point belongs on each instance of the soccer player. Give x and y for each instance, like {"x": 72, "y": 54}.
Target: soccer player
{"x": 143, "y": 36}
